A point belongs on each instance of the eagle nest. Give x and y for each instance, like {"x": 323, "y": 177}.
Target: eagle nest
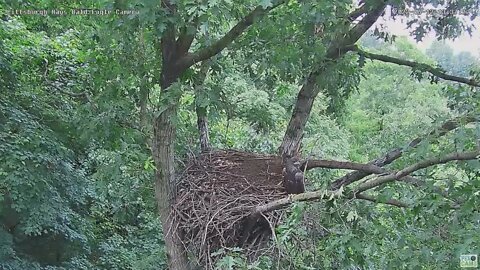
{"x": 216, "y": 195}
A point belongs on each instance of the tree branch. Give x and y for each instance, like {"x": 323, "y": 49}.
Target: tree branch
{"x": 72, "y": 94}
{"x": 357, "y": 13}
{"x": 333, "y": 164}
{"x": 415, "y": 167}
{"x": 186, "y": 38}
{"x": 397, "y": 152}
{"x": 168, "y": 47}
{"x": 307, "y": 196}
{"x": 348, "y": 165}
{"x": 228, "y": 38}
{"x": 328, "y": 194}
{"x": 356, "y": 32}
{"x": 438, "y": 72}
{"x": 57, "y": 87}
{"x": 201, "y": 110}
{"x": 308, "y": 92}
{"x": 390, "y": 202}
{"x": 315, "y": 195}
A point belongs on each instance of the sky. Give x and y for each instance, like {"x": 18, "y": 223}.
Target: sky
{"x": 463, "y": 43}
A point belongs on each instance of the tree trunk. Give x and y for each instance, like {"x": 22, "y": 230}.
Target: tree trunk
{"x": 293, "y": 178}
{"x": 165, "y": 186}
{"x": 163, "y": 151}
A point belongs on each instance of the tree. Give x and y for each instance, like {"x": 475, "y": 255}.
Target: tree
{"x": 176, "y": 59}
{"x": 457, "y": 64}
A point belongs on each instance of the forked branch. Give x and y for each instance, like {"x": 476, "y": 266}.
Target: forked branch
{"x": 205, "y": 53}
{"x": 328, "y": 194}
{"x": 415, "y": 167}
{"x": 396, "y": 153}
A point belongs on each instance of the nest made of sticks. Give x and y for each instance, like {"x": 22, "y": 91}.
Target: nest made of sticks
{"x": 216, "y": 195}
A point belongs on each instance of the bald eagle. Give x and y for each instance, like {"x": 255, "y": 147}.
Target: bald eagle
{"x": 293, "y": 178}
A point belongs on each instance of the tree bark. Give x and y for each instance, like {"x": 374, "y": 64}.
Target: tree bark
{"x": 164, "y": 132}
{"x": 163, "y": 155}
{"x": 303, "y": 106}
{"x": 165, "y": 186}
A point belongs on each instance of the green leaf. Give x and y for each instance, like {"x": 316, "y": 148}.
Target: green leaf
{"x": 352, "y": 216}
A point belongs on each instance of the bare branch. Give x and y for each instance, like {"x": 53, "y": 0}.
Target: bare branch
{"x": 201, "y": 110}
{"x": 415, "y": 167}
{"x": 312, "y": 196}
{"x": 56, "y": 85}
{"x": 76, "y": 95}
{"x": 390, "y": 202}
{"x": 334, "y": 164}
{"x": 228, "y": 38}
{"x": 435, "y": 71}
{"x": 307, "y": 196}
{"x": 348, "y": 165}
{"x": 398, "y": 152}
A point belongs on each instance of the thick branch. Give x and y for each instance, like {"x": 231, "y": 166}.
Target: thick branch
{"x": 333, "y": 164}
{"x": 438, "y": 72}
{"x": 315, "y": 195}
{"x": 348, "y": 165}
{"x": 397, "y": 152}
{"x": 186, "y": 38}
{"x": 415, "y": 167}
{"x": 356, "y": 32}
{"x": 228, "y": 38}
{"x": 307, "y": 196}
{"x": 168, "y": 37}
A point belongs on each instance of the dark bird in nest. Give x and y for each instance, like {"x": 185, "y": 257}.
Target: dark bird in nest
{"x": 293, "y": 178}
